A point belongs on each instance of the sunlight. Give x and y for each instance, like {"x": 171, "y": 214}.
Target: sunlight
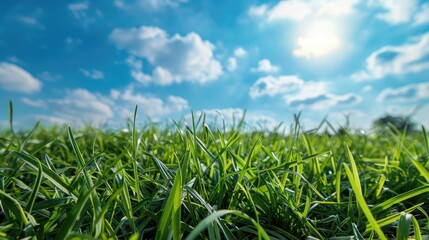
{"x": 317, "y": 39}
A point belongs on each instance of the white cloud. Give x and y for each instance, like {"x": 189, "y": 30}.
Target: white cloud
{"x": 175, "y": 59}
{"x": 93, "y": 73}
{"x": 240, "y": 52}
{"x": 81, "y": 106}
{"x": 395, "y": 60}
{"x": 45, "y": 75}
{"x": 81, "y": 11}
{"x": 395, "y": 11}
{"x": 299, "y": 94}
{"x": 16, "y": 79}
{"x": 272, "y": 86}
{"x": 299, "y": 10}
{"x": 137, "y": 73}
{"x": 336, "y": 7}
{"x": 422, "y": 16}
{"x": 258, "y": 11}
{"x": 147, "y": 4}
{"x": 265, "y": 65}
{"x": 323, "y": 101}
{"x": 232, "y": 64}
{"x": 290, "y": 10}
{"x": 153, "y": 106}
{"x": 367, "y": 88}
{"x": 34, "y": 103}
{"x": 408, "y": 93}
{"x": 320, "y": 38}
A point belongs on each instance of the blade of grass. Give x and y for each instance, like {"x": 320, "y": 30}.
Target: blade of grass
{"x": 354, "y": 180}
{"x": 10, "y": 203}
{"x": 171, "y": 212}
{"x": 403, "y": 230}
{"x": 33, "y": 196}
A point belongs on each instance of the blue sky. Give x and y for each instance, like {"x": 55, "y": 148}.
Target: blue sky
{"x": 80, "y": 62}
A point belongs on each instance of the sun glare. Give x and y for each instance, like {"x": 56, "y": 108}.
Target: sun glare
{"x": 317, "y": 39}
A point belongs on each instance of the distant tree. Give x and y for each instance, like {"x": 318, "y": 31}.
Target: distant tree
{"x": 400, "y": 122}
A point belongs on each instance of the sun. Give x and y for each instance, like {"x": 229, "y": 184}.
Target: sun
{"x": 317, "y": 39}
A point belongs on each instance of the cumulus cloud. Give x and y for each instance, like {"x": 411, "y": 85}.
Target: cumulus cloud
{"x": 16, "y": 79}
{"x": 272, "y": 86}
{"x": 411, "y": 92}
{"x": 45, "y": 75}
{"x": 154, "y": 107}
{"x": 265, "y": 65}
{"x": 395, "y": 12}
{"x": 175, "y": 59}
{"x": 92, "y": 73}
{"x": 299, "y": 94}
{"x": 240, "y": 52}
{"x": 391, "y": 60}
{"x": 80, "y": 106}
{"x": 299, "y": 10}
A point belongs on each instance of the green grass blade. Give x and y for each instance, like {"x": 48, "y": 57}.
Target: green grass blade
{"x": 94, "y": 197}
{"x": 9, "y": 203}
{"x": 417, "y": 231}
{"x": 135, "y": 149}
{"x": 403, "y": 230}
{"x": 36, "y": 188}
{"x": 171, "y": 212}
{"x": 47, "y": 173}
{"x": 10, "y": 107}
{"x": 75, "y": 214}
{"x": 354, "y": 180}
{"x": 400, "y": 198}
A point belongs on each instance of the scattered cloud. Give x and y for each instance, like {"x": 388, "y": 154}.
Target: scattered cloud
{"x": 367, "y": 88}
{"x": 407, "y": 93}
{"x": 232, "y": 64}
{"x": 422, "y": 16}
{"x": 175, "y": 59}
{"x": 299, "y": 10}
{"x": 323, "y": 101}
{"x": 81, "y": 12}
{"x": 45, "y": 75}
{"x": 34, "y": 103}
{"x": 153, "y": 107}
{"x": 395, "y": 12}
{"x": 93, "y": 73}
{"x": 299, "y": 94}
{"x": 81, "y": 106}
{"x": 16, "y": 79}
{"x": 396, "y": 60}
{"x": 31, "y": 21}
{"x": 136, "y": 72}
{"x": 272, "y": 86}
{"x": 147, "y": 4}
{"x": 265, "y": 65}
{"x": 240, "y": 52}
{"x": 258, "y": 11}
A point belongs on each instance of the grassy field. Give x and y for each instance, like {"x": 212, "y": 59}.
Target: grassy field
{"x": 199, "y": 182}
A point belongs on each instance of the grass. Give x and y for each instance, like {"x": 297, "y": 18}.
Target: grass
{"x": 199, "y": 182}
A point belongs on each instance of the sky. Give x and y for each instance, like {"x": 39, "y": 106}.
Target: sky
{"x": 91, "y": 62}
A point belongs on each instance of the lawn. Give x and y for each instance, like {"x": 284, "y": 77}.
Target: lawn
{"x": 202, "y": 181}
